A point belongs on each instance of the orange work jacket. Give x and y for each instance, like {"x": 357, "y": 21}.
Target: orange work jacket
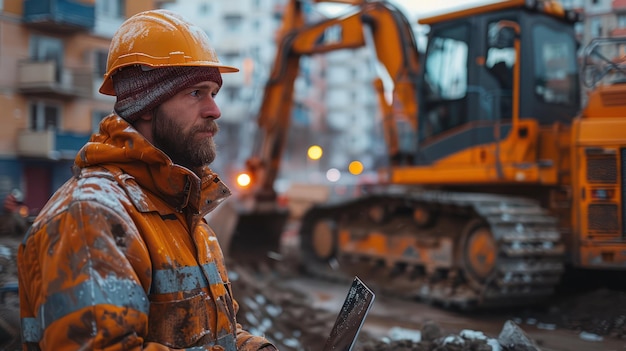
{"x": 121, "y": 258}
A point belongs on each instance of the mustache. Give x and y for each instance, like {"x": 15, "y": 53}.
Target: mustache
{"x": 211, "y": 127}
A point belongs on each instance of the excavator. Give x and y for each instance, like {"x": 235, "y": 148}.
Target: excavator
{"x": 513, "y": 173}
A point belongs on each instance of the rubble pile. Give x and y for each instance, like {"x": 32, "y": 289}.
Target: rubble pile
{"x": 432, "y": 338}
{"x": 595, "y": 314}
{"x": 286, "y": 318}
{"x": 9, "y": 299}
{"x": 283, "y": 316}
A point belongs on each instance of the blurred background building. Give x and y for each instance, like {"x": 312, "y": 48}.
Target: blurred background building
{"x": 53, "y": 56}
{"x": 52, "y": 59}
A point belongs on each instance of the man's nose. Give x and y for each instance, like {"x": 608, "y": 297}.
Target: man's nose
{"x": 211, "y": 109}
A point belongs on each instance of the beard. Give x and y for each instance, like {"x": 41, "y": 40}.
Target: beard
{"x": 185, "y": 148}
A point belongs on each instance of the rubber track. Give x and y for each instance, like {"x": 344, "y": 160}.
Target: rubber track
{"x": 529, "y": 261}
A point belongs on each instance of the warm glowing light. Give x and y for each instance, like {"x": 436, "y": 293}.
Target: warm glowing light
{"x": 333, "y": 175}
{"x": 355, "y": 167}
{"x": 243, "y": 179}
{"x": 315, "y": 152}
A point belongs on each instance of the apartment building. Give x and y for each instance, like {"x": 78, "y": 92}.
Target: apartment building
{"x": 53, "y": 56}
{"x": 52, "y": 60}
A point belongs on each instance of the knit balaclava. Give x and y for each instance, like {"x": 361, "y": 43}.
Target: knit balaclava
{"x": 140, "y": 90}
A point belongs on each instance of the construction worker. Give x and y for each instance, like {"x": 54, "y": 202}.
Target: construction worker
{"x": 13, "y": 226}
{"x": 121, "y": 257}
{"x": 13, "y": 221}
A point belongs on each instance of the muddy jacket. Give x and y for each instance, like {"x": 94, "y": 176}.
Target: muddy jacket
{"x": 121, "y": 257}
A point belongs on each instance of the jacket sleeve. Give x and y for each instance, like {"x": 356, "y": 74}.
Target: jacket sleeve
{"x": 83, "y": 277}
{"x": 249, "y": 342}
{"x": 246, "y": 341}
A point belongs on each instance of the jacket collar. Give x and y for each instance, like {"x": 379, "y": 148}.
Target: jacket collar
{"x": 120, "y": 145}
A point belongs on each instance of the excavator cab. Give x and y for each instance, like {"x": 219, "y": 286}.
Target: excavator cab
{"x": 470, "y": 94}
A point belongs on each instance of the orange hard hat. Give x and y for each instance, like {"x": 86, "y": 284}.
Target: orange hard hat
{"x": 159, "y": 38}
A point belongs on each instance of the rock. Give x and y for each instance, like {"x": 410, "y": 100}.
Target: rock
{"x": 431, "y": 331}
{"x": 512, "y": 337}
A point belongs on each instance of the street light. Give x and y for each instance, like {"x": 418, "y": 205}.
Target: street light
{"x": 243, "y": 180}
{"x": 315, "y": 152}
{"x": 333, "y": 175}
{"x": 355, "y": 167}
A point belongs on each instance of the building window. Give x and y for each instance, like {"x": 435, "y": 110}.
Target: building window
{"x": 233, "y": 23}
{"x": 204, "y": 8}
{"x": 230, "y": 93}
{"x": 44, "y": 116}
{"x": 100, "y": 63}
{"x": 47, "y": 49}
{"x": 621, "y": 21}
{"x": 596, "y": 27}
{"x": 112, "y": 8}
{"x": 229, "y": 56}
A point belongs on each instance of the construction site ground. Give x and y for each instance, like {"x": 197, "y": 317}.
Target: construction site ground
{"x": 298, "y": 311}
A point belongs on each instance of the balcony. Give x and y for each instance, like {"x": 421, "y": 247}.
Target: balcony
{"x": 46, "y": 79}
{"x": 60, "y": 16}
{"x": 49, "y": 144}
{"x": 618, "y": 32}
{"x": 619, "y": 5}
{"x": 232, "y": 8}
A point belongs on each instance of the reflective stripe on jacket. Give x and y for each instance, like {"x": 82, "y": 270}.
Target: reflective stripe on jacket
{"x": 121, "y": 258}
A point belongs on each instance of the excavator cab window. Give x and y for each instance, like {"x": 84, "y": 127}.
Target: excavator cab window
{"x": 445, "y": 81}
{"x": 555, "y": 66}
{"x": 499, "y": 63}
{"x": 549, "y": 86}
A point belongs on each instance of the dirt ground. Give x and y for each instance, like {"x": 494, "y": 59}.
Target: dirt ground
{"x": 279, "y": 304}
{"x": 297, "y": 313}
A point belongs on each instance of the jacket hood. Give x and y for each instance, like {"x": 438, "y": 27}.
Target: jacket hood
{"x": 120, "y": 145}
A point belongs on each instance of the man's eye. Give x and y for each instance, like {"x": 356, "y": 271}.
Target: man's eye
{"x": 195, "y": 93}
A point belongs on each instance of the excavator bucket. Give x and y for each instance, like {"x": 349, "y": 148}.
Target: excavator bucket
{"x": 248, "y": 235}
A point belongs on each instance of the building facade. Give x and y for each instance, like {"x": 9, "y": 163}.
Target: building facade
{"x": 53, "y": 57}
{"x": 52, "y": 60}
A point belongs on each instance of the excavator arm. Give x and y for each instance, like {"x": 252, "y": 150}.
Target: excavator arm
{"x": 254, "y": 221}
{"x": 376, "y": 25}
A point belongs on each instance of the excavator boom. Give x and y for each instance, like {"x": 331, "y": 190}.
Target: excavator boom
{"x": 255, "y": 222}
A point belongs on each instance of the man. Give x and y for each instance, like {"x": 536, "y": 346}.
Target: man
{"x": 13, "y": 222}
{"x": 121, "y": 257}
{"x": 13, "y": 226}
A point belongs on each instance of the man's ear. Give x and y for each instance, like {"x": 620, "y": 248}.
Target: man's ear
{"x": 147, "y": 116}
{"x": 144, "y": 125}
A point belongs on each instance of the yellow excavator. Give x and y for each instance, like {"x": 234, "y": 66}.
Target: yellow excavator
{"x": 507, "y": 180}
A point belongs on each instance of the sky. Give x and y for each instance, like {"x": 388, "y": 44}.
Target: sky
{"x": 425, "y": 8}
{"x": 415, "y": 9}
